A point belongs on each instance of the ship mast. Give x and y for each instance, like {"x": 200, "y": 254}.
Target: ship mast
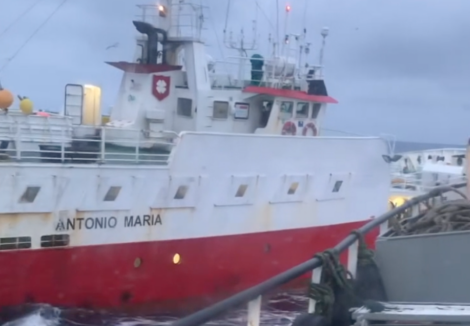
{"x": 324, "y": 34}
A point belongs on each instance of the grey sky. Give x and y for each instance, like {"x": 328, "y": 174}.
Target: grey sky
{"x": 396, "y": 66}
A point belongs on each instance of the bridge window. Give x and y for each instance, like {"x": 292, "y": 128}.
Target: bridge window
{"x": 30, "y": 194}
{"x": 184, "y": 107}
{"x": 316, "y": 110}
{"x": 220, "y": 110}
{"x": 301, "y": 111}
{"x": 287, "y": 109}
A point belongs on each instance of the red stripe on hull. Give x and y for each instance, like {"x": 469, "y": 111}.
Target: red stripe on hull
{"x": 210, "y": 269}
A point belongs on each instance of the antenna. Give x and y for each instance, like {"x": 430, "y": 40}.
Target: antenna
{"x": 286, "y": 35}
{"x": 324, "y": 34}
{"x": 241, "y": 45}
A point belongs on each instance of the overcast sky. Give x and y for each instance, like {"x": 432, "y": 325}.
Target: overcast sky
{"x": 400, "y": 67}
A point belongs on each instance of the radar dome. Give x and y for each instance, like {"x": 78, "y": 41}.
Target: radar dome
{"x": 6, "y": 98}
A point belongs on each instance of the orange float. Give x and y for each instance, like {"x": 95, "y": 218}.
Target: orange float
{"x": 6, "y": 98}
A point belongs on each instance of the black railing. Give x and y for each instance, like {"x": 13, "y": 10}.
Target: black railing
{"x": 211, "y": 312}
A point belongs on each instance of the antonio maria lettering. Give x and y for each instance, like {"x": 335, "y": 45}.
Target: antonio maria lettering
{"x": 91, "y": 223}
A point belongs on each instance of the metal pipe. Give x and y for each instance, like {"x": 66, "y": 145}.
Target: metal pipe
{"x": 205, "y": 315}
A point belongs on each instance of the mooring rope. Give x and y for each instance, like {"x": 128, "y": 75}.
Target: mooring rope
{"x": 338, "y": 284}
{"x": 334, "y": 276}
{"x": 451, "y": 215}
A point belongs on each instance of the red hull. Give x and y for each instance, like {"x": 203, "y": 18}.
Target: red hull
{"x": 210, "y": 269}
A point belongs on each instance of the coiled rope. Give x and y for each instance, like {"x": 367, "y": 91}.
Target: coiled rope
{"x": 448, "y": 216}
{"x": 336, "y": 279}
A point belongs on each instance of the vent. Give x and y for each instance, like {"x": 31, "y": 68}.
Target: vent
{"x": 55, "y": 240}
{"x": 15, "y": 243}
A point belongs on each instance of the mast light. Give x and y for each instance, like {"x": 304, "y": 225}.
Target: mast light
{"x": 162, "y": 10}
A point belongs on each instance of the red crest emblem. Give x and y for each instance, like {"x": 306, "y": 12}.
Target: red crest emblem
{"x": 160, "y": 87}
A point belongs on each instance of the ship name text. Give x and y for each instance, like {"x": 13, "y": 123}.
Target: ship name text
{"x": 111, "y": 222}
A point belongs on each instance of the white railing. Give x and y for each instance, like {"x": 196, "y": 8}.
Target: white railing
{"x": 89, "y": 145}
{"x": 422, "y": 181}
{"x": 183, "y": 19}
{"x": 236, "y": 72}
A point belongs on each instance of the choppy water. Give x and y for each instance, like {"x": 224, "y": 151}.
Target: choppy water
{"x": 278, "y": 312}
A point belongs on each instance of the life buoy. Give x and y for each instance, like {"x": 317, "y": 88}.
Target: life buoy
{"x": 397, "y": 181}
{"x": 310, "y": 126}
{"x": 289, "y": 128}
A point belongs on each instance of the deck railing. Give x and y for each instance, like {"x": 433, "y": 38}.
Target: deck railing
{"x": 90, "y": 144}
{"x": 422, "y": 181}
{"x": 253, "y": 295}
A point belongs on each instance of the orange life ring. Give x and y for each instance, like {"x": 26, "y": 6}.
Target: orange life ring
{"x": 289, "y": 128}
{"x": 397, "y": 180}
{"x": 308, "y": 126}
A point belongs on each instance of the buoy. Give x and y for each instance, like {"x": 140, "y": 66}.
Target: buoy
{"x": 6, "y": 98}
{"x": 26, "y": 106}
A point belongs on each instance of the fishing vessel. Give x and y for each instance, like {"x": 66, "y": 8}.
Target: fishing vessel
{"x": 417, "y": 172}
{"x": 197, "y": 178}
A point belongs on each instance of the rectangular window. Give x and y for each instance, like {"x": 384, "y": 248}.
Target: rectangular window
{"x": 55, "y": 240}
{"x": 29, "y": 194}
{"x": 184, "y": 107}
{"x": 220, "y": 110}
{"x": 316, "y": 110}
{"x": 15, "y": 243}
{"x": 301, "y": 112}
{"x": 287, "y": 108}
{"x": 112, "y": 193}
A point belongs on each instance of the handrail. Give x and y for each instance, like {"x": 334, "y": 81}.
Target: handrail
{"x": 60, "y": 145}
{"x": 252, "y": 293}
{"x": 416, "y": 181}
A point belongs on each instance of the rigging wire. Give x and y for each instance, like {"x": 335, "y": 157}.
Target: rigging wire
{"x": 277, "y": 24}
{"x": 215, "y": 32}
{"x": 226, "y": 15}
{"x": 305, "y": 13}
{"x": 33, "y": 34}
{"x": 265, "y": 15}
{"x": 19, "y": 17}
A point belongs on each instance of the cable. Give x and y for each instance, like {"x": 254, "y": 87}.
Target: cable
{"x": 32, "y": 35}
{"x": 215, "y": 32}
{"x": 226, "y": 15}
{"x": 305, "y": 9}
{"x": 19, "y": 17}
{"x": 264, "y": 14}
